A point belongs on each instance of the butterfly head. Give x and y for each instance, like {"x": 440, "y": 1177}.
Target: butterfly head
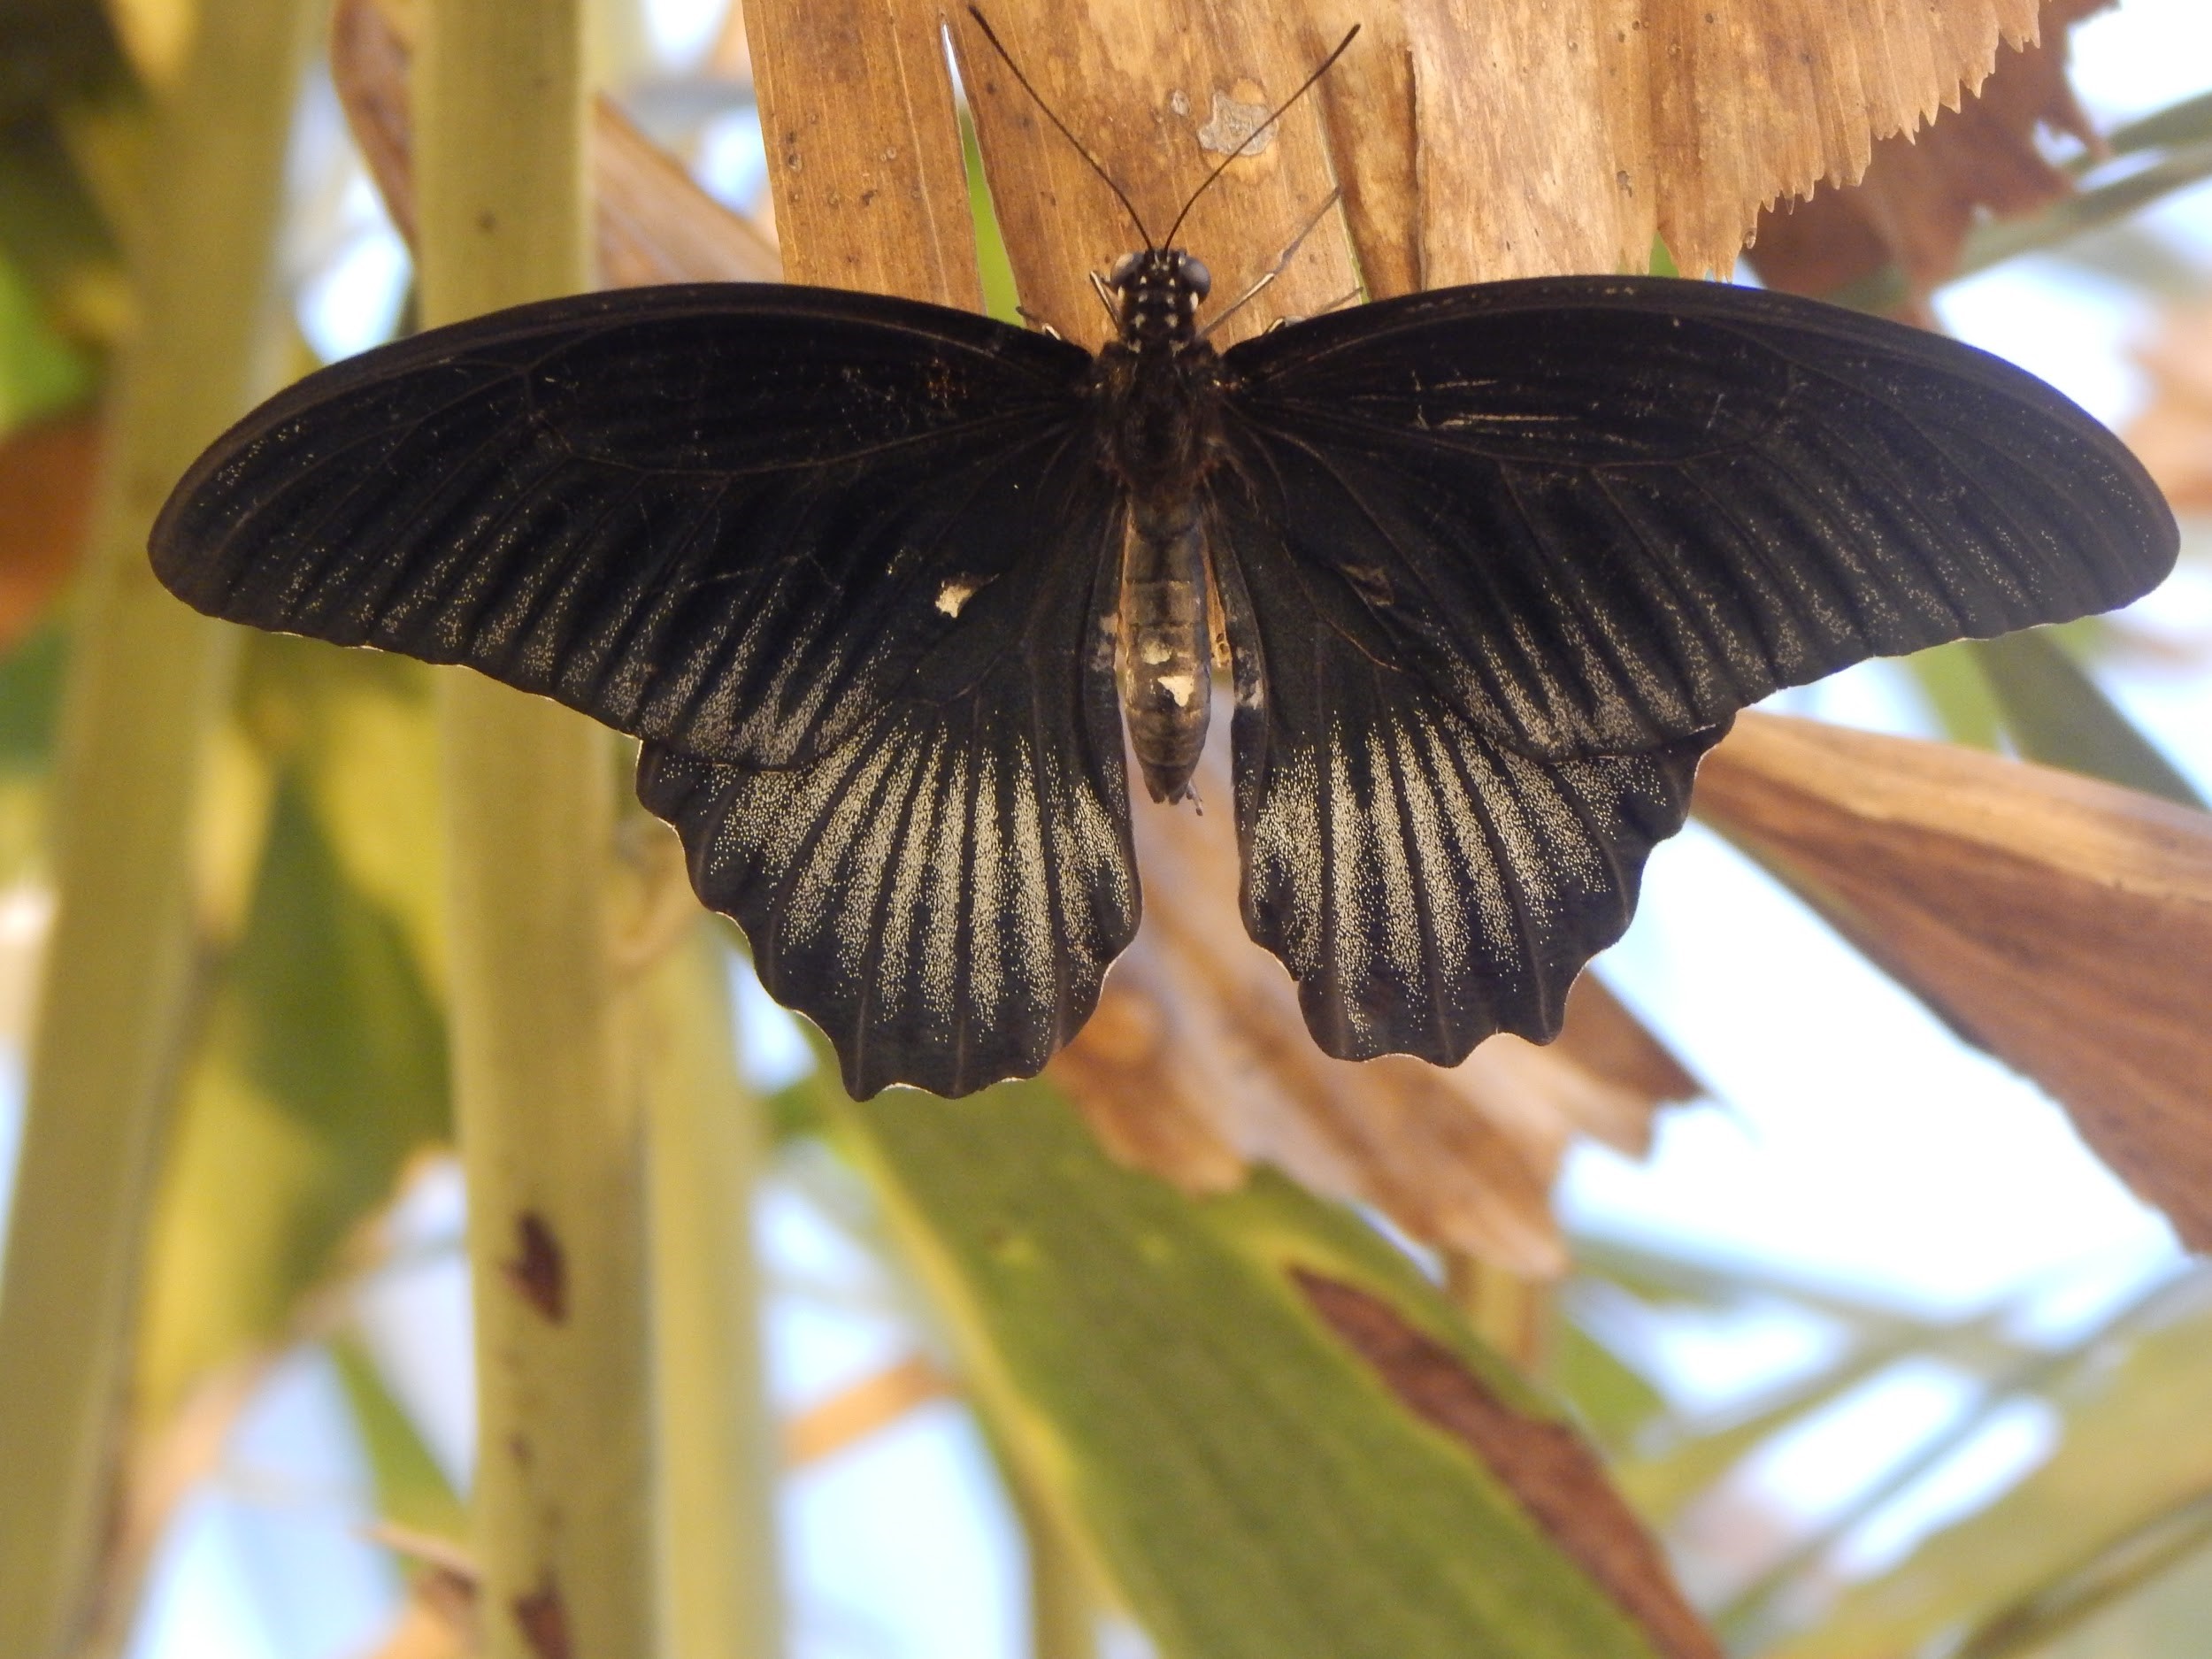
{"x": 1156, "y": 295}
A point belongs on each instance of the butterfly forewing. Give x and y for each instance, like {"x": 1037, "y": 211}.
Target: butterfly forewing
{"x": 729, "y": 518}
{"x": 1602, "y": 514}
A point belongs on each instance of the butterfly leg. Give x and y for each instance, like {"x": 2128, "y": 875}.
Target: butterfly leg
{"x": 1106, "y": 298}
{"x": 1343, "y": 299}
{"x": 1282, "y": 264}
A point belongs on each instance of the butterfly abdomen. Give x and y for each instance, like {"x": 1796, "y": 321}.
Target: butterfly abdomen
{"x": 1166, "y": 667}
{"x": 1161, "y": 427}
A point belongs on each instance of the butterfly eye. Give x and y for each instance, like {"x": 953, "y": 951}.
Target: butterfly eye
{"x": 1199, "y": 279}
{"x": 1123, "y": 269}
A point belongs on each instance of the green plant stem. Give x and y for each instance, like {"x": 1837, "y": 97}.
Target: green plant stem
{"x": 718, "y": 1453}
{"x": 1063, "y": 1601}
{"x": 2121, "y": 1568}
{"x": 147, "y": 681}
{"x": 549, "y": 1117}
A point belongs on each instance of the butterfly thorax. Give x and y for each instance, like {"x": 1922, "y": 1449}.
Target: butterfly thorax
{"x": 1159, "y": 388}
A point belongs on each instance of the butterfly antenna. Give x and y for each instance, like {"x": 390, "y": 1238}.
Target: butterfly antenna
{"x": 1007, "y": 58}
{"x": 1280, "y": 111}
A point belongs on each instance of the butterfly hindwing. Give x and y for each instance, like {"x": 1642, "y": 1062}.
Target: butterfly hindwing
{"x": 944, "y": 891}
{"x": 1602, "y": 514}
{"x": 1424, "y": 884}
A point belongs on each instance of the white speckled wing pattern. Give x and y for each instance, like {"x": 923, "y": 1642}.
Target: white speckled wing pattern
{"x": 1425, "y": 884}
{"x": 944, "y": 891}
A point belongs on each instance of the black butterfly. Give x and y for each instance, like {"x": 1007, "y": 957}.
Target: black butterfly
{"x": 877, "y": 581}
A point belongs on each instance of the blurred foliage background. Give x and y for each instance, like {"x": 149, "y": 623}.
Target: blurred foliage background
{"x": 1016, "y": 1397}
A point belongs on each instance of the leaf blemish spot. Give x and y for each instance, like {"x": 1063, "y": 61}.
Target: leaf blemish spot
{"x": 538, "y": 1271}
{"x": 1558, "y": 1478}
{"x": 542, "y": 1617}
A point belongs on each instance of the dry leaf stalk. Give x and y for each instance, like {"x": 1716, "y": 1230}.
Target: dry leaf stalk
{"x": 864, "y": 1408}
{"x": 2061, "y": 924}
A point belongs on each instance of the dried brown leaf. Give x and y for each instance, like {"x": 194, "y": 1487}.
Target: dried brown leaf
{"x": 1161, "y": 95}
{"x": 439, "y": 1619}
{"x": 1922, "y": 192}
{"x": 653, "y": 223}
{"x": 1198, "y": 1063}
{"x": 368, "y": 55}
{"x": 2173, "y": 434}
{"x": 46, "y": 477}
{"x": 865, "y": 166}
{"x": 656, "y": 223}
{"x": 1767, "y": 97}
{"x": 2062, "y": 923}
{"x": 1474, "y": 139}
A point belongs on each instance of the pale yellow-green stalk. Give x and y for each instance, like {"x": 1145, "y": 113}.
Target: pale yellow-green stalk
{"x": 148, "y": 679}
{"x": 718, "y": 1450}
{"x": 551, "y": 1130}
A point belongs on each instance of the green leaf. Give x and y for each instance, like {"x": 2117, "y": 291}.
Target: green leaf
{"x": 2058, "y": 716}
{"x": 359, "y": 730}
{"x": 1251, "y": 1483}
{"x": 1000, "y": 299}
{"x": 41, "y": 373}
{"x": 1958, "y": 692}
{"x": 1611, "y": 1397}
{"x": 30, "y": 697}
{"x": 2164, "y": 1617}
{"x": 2187, "y": 122}
{"x": 52, "y": 231}
{"x": 324, "y": 1069}
{"x": 54, "y": 52}
{"x": 2116, "y": 1571}
{"x": 412, "y": 1489}
{"x": 1995, "y": 241}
